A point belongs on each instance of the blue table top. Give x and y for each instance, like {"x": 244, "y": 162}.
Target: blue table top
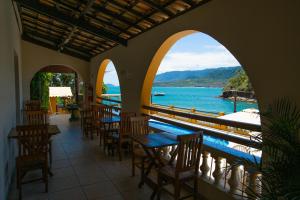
{"x": 114, "y": 119}
{"x": 156, "y": 140}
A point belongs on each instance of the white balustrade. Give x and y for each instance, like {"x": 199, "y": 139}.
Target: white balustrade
{"x": 218, "y": 172}
{"x": 204, "y": 167}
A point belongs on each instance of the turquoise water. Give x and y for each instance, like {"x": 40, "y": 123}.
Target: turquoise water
{"x": 203, "y": 99}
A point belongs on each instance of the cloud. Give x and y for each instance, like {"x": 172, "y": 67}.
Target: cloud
{"x": 213, "y": 56}
{"x": 110, "y": 75}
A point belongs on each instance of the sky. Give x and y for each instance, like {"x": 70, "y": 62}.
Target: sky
{"x": 193, "y": 52}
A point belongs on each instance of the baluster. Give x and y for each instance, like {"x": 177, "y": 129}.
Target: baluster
{"x": 234, "y": 179}
{"x": 251, "y": 188}
{"x": 204, "y": 167}
{"x": 217, "y": 174}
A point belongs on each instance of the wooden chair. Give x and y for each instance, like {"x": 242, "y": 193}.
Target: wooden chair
{"x": 97, "y": 113}
{"x": 107, "y": 111}
{"x": 33, "y": 143}
{"x": 32, "y": 105}
{"x": 138, "y": 126}
{"x": 86, "y": 121}
{"x": 123, "y": 135}
{"x": 186, "y": 167}
{"x": 39, "y": 117}
{"x": 36, "y": 117}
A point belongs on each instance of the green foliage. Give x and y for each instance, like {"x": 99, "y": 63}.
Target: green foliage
{"x": 104, "y": 88}
{"x": 39, "y": 87}
{"x": 64, "y": 80}
{"x": 239, "y": 82}
{"x": 281, "y": 146}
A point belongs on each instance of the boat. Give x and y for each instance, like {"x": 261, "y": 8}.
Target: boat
{"x": 159, "y": 94}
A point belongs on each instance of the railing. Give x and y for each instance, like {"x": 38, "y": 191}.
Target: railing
{"x": 111, "y": 102}
{"x": 221, "y": 177}
{"x": 208, "y": 120}
{"x": 187, "y": 110}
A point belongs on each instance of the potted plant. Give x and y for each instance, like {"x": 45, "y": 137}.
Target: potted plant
{"x": 280, "y": 164}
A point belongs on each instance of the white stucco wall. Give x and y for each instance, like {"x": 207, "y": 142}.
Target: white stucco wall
{"x": 262, "y": 35}
{"x": 10, "y": 43}
{"x": 36, "y": 57}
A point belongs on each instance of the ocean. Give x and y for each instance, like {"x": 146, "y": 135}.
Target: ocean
{"x": 203, "y": 99}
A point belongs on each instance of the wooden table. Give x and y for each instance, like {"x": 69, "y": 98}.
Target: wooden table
{"x": 52, "y": 130}
{"x": 107, "y": 123}
{"x": 152, "y": 145}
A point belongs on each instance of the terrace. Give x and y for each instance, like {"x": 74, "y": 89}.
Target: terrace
{"x": 83, "y": 36}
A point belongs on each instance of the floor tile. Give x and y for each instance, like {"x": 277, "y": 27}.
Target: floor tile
{"x": 100, "y": 190}
{"x": 72, "y": 194}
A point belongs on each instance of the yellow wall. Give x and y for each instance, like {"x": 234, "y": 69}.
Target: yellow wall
{"x": 36, "y": 57}
{"x": 262, "y": 35}
{"x": 100, "y": 75}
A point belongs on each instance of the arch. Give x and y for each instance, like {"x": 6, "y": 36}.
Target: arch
{"x": 100, "y": 76}
{"x": 157, "y": 59}
{"x": 57, "y": 68}
{"x": 155, "y": 63}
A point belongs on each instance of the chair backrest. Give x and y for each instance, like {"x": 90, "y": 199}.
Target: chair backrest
{"x": 125, "y": 126}
{"x": 33, "y": 139}
{"x": 86, "y": 112}
{"x": 97, "y": 111}
{"x": 189, "y": 152}
{"x": 102, "y": 111}
{"x": 32, "y": 105}
{"x": 139, "y": 125}
{"x": 107, "y": 112}
{"x": 36, "y": 117}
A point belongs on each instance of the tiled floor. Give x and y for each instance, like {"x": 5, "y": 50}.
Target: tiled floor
{"x": 82, "y": 171}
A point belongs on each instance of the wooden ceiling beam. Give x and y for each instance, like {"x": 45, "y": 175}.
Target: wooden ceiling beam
{"x": 74, "y": 29}
{"x": 130, "y": 9}
{"x": 80, "y": 23}
{"x": 55, "y": 40}
{"x": 177, "y": 15}
{"x": 100, "y": 21}
{"x": 115, "y": 16}
{"x": 159, "y": 8}
{"x": 60, "y": 28}
{"x": 32, "y": 39}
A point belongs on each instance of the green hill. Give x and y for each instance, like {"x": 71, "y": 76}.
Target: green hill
{"x": 216, "y": 77}
{"x": 239, "y": 82}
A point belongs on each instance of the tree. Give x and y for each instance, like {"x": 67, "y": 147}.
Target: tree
{"x": 39, "y": 87}
{"x": 239, "y": 82}
{"x": 104, "y": 88}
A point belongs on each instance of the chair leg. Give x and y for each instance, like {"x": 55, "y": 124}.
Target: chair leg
{"x": 133, "y": 167}
{"x": 45, "y": 177}
{"x": 18, "y": 178}
{"x": 19, "y": 184}
{"x": 176, "y": 190}
{"x": 50, "y": 153}
{"x": 195, "y": 188}
{"x": 142, "y": 173}
{"x": 119, "y": 150}
{"x": 159, "y": 186}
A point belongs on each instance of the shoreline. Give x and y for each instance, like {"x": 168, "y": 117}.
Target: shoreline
{"x": 240, "y": 99}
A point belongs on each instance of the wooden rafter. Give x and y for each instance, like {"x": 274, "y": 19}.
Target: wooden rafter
{"x": 80, "y": 23}
{"x": 86, "y": 28}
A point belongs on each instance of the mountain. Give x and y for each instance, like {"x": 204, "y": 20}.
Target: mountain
{"x": 110, "y": 85}
{"x": 215, "y": 77}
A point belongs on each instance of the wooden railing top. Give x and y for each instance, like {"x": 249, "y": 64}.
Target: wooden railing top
{"x": 242, "y": 125}
{"x": 111, "y": 100}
